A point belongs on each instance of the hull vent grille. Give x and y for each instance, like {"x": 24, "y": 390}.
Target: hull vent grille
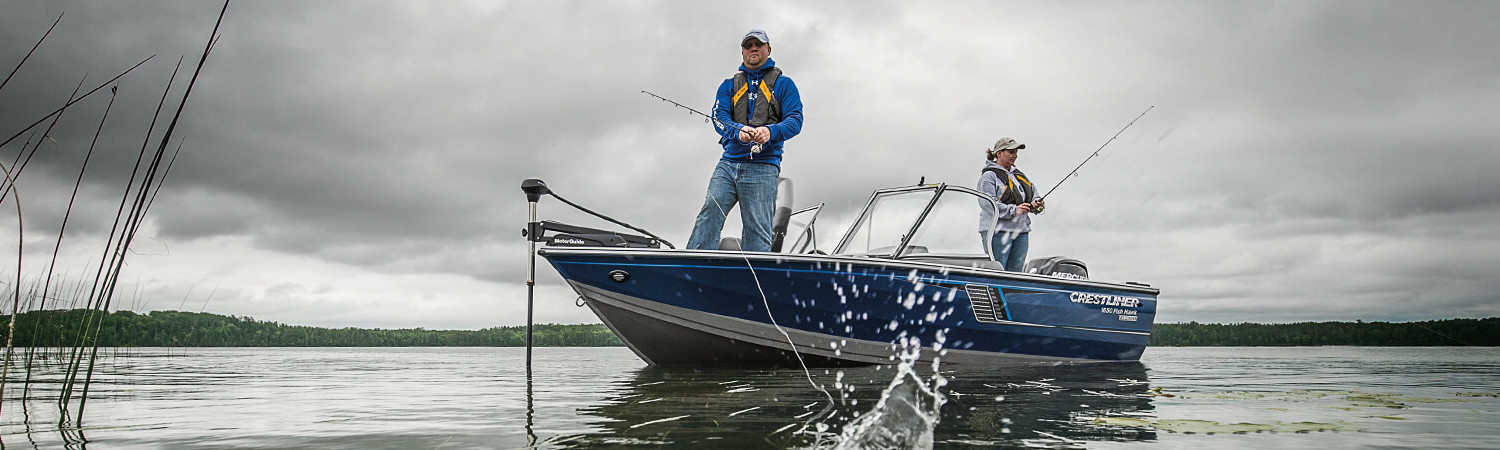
{"x": 987, "y": 303}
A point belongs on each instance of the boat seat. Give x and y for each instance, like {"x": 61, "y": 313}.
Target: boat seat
{"x": 729, "y": 243}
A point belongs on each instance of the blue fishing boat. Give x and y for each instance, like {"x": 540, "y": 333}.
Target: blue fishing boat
{"x": 910, "y": 272}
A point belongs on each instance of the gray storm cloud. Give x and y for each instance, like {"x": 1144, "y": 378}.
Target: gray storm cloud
{"x": 1323, "y": 160}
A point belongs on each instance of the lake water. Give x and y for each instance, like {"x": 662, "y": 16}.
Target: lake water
{"x": 458, "y": 398}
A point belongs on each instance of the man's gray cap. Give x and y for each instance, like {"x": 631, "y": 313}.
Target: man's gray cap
{"x": 757, "y": 34}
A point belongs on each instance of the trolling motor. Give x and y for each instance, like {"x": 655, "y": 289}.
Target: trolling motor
{"x": 568, "y": 235}
{"x": 576, "y": 236}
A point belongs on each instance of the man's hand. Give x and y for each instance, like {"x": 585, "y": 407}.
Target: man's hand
{"x": 762, "y": 135}
{"x": 1023, "y": 208}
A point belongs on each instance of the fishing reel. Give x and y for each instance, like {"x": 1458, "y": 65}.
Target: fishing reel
{"x": 754, "y": 148}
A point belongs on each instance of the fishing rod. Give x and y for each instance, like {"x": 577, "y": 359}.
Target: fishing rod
{"x": 755, "y": 148}
{"x": 1096, "y": 153}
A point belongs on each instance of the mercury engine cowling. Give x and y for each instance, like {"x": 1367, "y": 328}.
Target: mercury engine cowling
{"x": 1057, "y": 266}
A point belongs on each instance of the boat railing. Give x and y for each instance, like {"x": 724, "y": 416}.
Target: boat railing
{"x": 978, "y": 262}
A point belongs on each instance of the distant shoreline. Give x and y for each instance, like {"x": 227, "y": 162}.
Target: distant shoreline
{"x": 61, "y": 328}
{"x": 1431, "y": 333}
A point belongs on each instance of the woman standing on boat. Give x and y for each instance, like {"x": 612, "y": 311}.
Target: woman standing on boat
{"x": 1016, "y": 200}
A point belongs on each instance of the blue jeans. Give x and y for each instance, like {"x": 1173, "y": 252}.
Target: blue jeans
{"x": 1009, "y": 249}
{"x": 753, "y": 185}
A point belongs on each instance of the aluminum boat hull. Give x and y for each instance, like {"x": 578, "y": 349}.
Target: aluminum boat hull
{"x": 694, "y": 307}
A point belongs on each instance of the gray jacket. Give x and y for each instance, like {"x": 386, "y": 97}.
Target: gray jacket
{"x": 991, "y": 185}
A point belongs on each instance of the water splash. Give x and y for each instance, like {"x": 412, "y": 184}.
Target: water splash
{"x": 905, "y": 417}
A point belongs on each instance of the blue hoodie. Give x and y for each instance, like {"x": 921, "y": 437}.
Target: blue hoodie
{"x": 790, "y": 125}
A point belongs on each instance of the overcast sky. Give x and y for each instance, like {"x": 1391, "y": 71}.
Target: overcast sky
{"x": 357, "y": 163}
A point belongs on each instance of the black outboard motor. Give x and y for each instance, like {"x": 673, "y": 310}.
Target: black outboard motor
{"x": 1057, "y": 266}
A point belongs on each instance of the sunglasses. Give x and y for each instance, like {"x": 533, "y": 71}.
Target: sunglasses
{"x": 752, "y": 44}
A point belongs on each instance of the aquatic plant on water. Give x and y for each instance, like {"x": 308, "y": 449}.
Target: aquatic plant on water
{"x": 95, "y": 292}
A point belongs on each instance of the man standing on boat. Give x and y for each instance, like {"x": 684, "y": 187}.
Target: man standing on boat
{"x": 756, "y": 111}
{"x": 1016, "y": 199}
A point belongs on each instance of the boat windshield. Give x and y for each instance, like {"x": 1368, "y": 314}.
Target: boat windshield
{"x": 951, "y": 227}
{"x": 886, "y": 222}
{"x": 940, "y": 220}
{"x": 801, "y": 234}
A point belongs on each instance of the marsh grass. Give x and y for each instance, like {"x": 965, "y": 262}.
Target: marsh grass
{"x": 69, "y": 363}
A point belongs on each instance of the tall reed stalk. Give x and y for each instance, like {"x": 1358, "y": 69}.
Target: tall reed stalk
{"x": 153, "y": 163}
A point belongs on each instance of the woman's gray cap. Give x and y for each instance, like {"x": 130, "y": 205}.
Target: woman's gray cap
{"x": 1006, "y": 143}
{"x": 758, "y": 34}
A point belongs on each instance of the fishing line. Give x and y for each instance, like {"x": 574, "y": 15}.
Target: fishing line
{"x": 765, "y": 301}
{"x": 1096, "y": 153}
{"x": 805, "y": 371}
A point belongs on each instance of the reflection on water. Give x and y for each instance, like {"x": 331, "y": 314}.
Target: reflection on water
{"x": 1048, "y": 404}
{"x": 483, "y": 398}
{"x": 530, "y": 405}
{"x": 767, "y": 408}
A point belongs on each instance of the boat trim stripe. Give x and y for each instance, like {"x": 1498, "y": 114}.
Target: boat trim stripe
{"x": 839, "y": 260}
{"x": 902, "y": 277}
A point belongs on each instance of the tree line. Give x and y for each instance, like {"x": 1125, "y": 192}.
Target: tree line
{"x": 1449, "y": 332}
{"x": 61, "y": 328}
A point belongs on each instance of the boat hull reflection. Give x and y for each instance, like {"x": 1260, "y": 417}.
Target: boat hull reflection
{"x": 1038, "y": 406}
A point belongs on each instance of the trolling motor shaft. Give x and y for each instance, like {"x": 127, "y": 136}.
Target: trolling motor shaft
{"x": 534, "y": 189}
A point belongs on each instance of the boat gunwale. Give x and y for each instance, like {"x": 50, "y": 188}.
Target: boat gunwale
{"x": 849, "y": 259}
